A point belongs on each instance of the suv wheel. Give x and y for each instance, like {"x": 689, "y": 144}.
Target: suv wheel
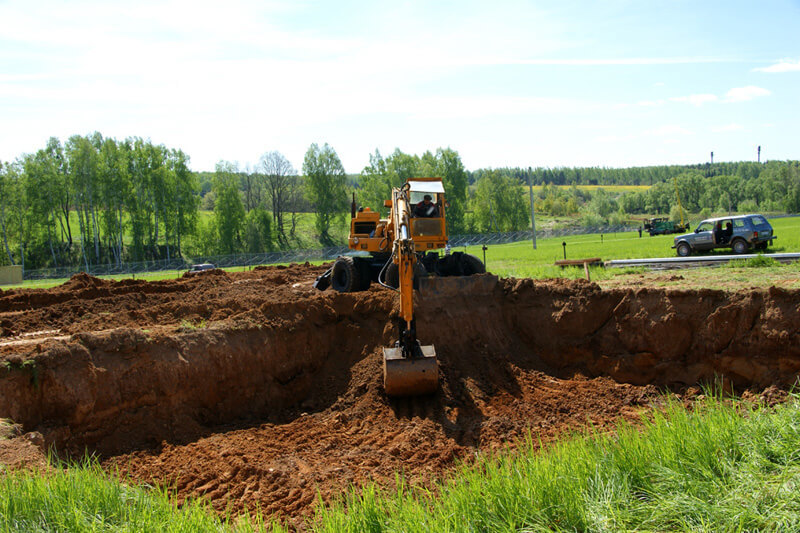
{"x": 684, "y": 250}
{"x": 739, "y": 246}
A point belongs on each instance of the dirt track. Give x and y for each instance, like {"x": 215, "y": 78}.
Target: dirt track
{"x": 255, "y": 390}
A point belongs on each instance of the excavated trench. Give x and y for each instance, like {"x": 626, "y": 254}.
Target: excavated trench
{"x": 126, "y": 388}
{"x": 282, "y": 398}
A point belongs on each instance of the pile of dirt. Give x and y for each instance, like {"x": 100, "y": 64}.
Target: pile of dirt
{"x": 86, "y": 303}
{"x": 256, "y": 391}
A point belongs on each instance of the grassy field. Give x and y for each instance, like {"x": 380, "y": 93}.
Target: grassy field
{"x": 725, "y": 465}
{"x": 521, "y": 260}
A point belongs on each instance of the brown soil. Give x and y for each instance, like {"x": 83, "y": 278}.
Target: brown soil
{"x": 256, "y": 391}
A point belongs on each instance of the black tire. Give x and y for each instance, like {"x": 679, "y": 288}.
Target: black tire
{"x": 471, "y": 265}
{"x": 345, "y": 276}
{"x": 739, "y": 246}
{"x": 393, "y": 275}
{"x": 364, "y": 270}
{"x": 684, "y": 250}
{"x": 448, "y": 265}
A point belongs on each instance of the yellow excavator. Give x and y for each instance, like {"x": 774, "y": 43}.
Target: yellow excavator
{"x": 396, "y": 252}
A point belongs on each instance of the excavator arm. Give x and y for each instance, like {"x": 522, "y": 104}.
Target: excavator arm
{"x": 408, "y": 368}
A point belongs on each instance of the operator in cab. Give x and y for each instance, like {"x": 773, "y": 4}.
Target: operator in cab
{"x": 426, "y": 208}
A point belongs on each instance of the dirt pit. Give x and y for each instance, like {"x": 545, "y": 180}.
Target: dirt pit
{"x": 256, "y": 391}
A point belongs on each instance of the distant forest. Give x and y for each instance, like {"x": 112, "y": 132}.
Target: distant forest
{"x": 96, "y": 200}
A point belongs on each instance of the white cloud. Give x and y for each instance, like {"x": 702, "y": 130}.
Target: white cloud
{"x": 695, "y": 99}
{"x": 784, "y": 65}
{"x": 668, "y": 130}
{"x": 727, "y": 128}
{"x": 743, "y": 94}
{"x": 611, "y": 61}
{"x": 650, "y": 103}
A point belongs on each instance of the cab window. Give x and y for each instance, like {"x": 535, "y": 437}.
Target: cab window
{"x": 738, "y": 223}
{"x": 417, "y": 197}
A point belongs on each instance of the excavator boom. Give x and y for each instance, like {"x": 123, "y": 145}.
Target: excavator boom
{"x": 409, "y": 368}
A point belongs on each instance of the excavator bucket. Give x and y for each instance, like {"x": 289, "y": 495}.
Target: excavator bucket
{"x": 410, "y": 376}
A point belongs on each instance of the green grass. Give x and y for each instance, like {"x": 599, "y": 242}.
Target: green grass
{"x": 521, "y": 260}
{"x": 721, "y": 467}
{"x": 85, "y": 498}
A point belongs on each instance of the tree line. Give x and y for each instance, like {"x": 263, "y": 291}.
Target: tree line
{"x": 649, "y": 175}
{"x": 772, "y": 187}
{"x": 96, "y": 200}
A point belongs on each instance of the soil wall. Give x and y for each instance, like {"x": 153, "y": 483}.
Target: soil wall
{"x": 132, "y": 388}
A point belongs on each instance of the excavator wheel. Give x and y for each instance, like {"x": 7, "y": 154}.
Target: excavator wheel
{"x": 459, "y": 264}
{"x": 393, "y": 275}
{"x": 471, "y": 265}
{"x": 345, "y": 276}
{"x": 364, "y": 271}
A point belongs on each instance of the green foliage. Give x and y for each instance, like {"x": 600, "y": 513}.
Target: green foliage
{"x": 325, "y": 187}
{"x": 228, "y": 208}
{"x": 590, "y": 219}
{"x": 759, "y": 261}
{"x": 497, "y": 205}
{"x": 258, "y": 231}
{"x": 676, "y": 214}
{"x": 96, "y": 200}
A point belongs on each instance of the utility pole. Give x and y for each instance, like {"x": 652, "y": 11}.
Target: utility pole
{"x": 533, "y": 220}
{"x": 759, "y": 153}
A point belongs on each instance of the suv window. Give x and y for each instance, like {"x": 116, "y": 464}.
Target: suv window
{"x": 738, "y": 223}
{"x": 758, "y": 221}
{"x": 705, "y": 226}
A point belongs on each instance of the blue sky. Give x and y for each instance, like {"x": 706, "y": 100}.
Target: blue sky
{"x": 611, "y": 83}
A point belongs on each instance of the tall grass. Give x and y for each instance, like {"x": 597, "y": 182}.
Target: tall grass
{"x": 85, "y": 498}
{"x": 722, "y": 467}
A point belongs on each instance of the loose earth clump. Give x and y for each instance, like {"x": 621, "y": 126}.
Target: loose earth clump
{"x": 256, "y": 391}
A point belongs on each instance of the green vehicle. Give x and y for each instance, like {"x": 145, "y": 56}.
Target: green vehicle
{"x": 664, "y": 226}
